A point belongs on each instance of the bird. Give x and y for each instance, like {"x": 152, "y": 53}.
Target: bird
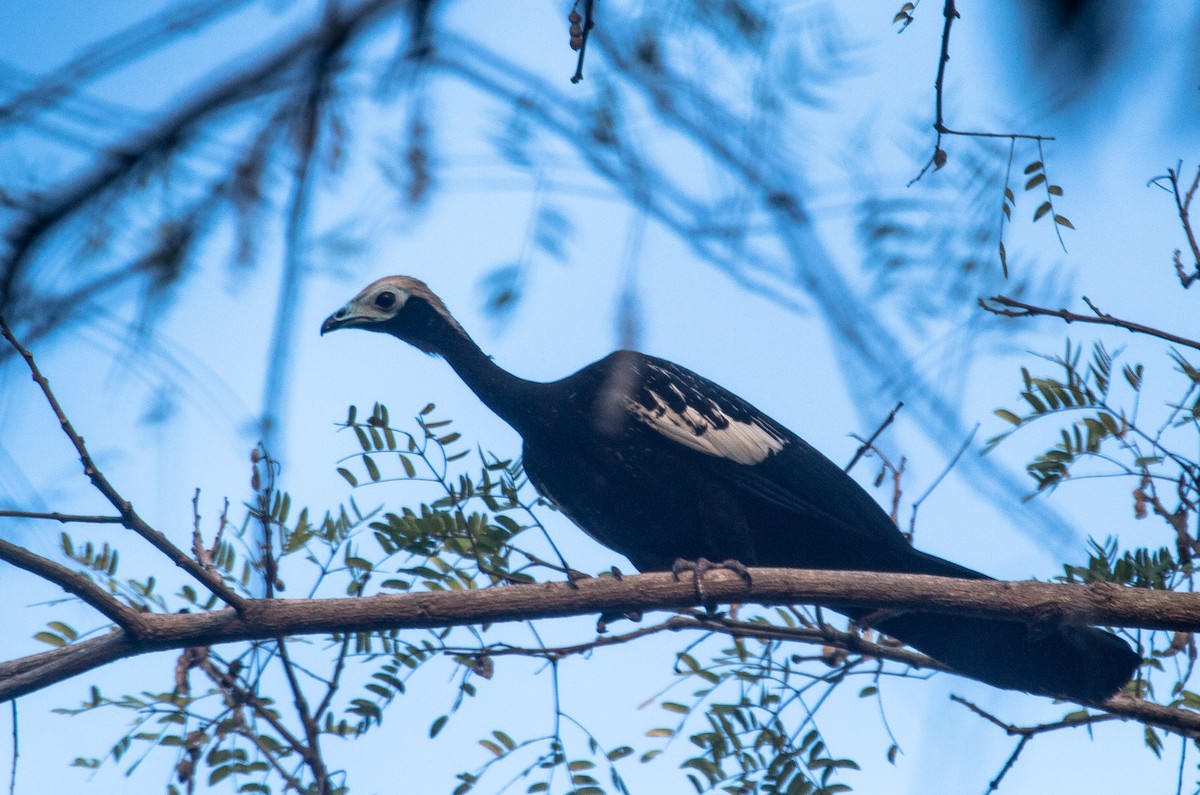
{"x": 665, "y": 466}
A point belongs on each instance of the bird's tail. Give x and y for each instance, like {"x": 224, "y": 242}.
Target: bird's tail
{"x": 1079, "y": 663}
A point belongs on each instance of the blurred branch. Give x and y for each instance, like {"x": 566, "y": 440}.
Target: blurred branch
{"x": 129, "y": 517}
{"x": 1010, "y": 307}
{"x": 878, "y": 357}
{"x": 307, "y": 134}
{"x": 136, "y": 41}
{"x": 166, "y": 133}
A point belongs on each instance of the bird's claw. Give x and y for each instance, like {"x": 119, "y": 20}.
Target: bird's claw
{"x": 701, "y": 566}
{"x": 574, "y": 576}
{"x": 607, "y": 618}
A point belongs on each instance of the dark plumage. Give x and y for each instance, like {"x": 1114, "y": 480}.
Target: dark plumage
{"x": 660, "y": 464}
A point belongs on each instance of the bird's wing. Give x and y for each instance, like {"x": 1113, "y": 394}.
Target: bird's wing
{"x": 752, "y": 452}
{"x": 698, "y": 414}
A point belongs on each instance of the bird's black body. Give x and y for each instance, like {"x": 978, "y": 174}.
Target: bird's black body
{"x": 660, "y": 464}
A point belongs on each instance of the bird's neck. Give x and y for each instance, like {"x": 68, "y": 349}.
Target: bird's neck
{"x": 513, "y": 399}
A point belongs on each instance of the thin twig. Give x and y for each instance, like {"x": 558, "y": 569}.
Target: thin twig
{"x": 263, "y": 710}
{"x": 941, "y": 476}
{"x": 129, "y": 518}
{"x": 1183, "y": 205}
{"x": 862, "y": 448}
{"x": 16, "y": 753}
{"x": 1015, "y": 308}
{"x": 311, "y": 753}
{"x": 63, "y": 518}
{"x": 588, "y": 23}
{"x": 334, "y": 681}
{"x": 1026, "y": 733}
{"x": 938, "y": 158}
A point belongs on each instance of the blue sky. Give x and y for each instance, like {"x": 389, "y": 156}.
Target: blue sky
{"x": 216, "y": 335}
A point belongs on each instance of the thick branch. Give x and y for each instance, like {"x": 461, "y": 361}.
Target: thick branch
{"x": 265, "y": 619}
{"x": 1010, "y": 307}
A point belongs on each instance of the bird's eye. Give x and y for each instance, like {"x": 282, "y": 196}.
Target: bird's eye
{"x": 385, "y": 300}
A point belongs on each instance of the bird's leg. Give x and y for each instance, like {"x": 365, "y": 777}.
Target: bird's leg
{"x": 701, "y": 566}
{"x": 607, "y": 618}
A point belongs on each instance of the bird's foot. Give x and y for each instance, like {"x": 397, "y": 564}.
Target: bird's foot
{"x": 574, "y": 576}
{"x": 607, "y": 618}
{"x": 701, "y": 566}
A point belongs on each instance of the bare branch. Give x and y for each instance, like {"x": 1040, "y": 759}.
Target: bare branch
{"x": 129, "y": 518}
{"x": 1015, "y": 308}
{"x": 63, "y": 518}
{"x": 938, "y": 158}
{"x": 579, "y": 40}
{"x": 870, "y": 442}
{"x": 262, "y": 619}
{"x": 1183, "y": 205}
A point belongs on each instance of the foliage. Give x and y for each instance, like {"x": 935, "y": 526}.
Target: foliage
{"x": 750, "y": 718}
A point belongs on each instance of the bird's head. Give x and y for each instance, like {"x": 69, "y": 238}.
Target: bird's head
{"x": 398, "y": 305}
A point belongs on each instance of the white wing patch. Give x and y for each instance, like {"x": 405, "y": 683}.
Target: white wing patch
{"x": 746, "y": 443}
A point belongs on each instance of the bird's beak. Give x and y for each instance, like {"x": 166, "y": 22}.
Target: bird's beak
{"x": 340, "y": 319}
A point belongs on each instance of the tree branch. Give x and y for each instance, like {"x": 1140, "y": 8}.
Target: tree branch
{"x": 1015, "y": 308}
{"x": 129, "y": 518}
{"x": 75, "y": 583}
{"x": 62, "y": 518}
{"x": 1183, "y": 204}
{"x": 166, "y": 133}
{"x": 271, "y": 618}
{"x": 938, "y": 158}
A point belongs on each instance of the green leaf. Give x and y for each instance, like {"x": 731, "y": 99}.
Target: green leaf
{"x": 1008, "y": 416}
{"x": 1054, "y": 190}
{"x": 348, "y": 475}
{"x": 50, "y": 639}
{"x": 438, "y": 725}
{"x": 1036, "y": 165}
{"x": 372, "y": 469}
{"x": 1062, "y": 220}
{"x": 1035, "y": 181}
{"x": 1041, "y": 211}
